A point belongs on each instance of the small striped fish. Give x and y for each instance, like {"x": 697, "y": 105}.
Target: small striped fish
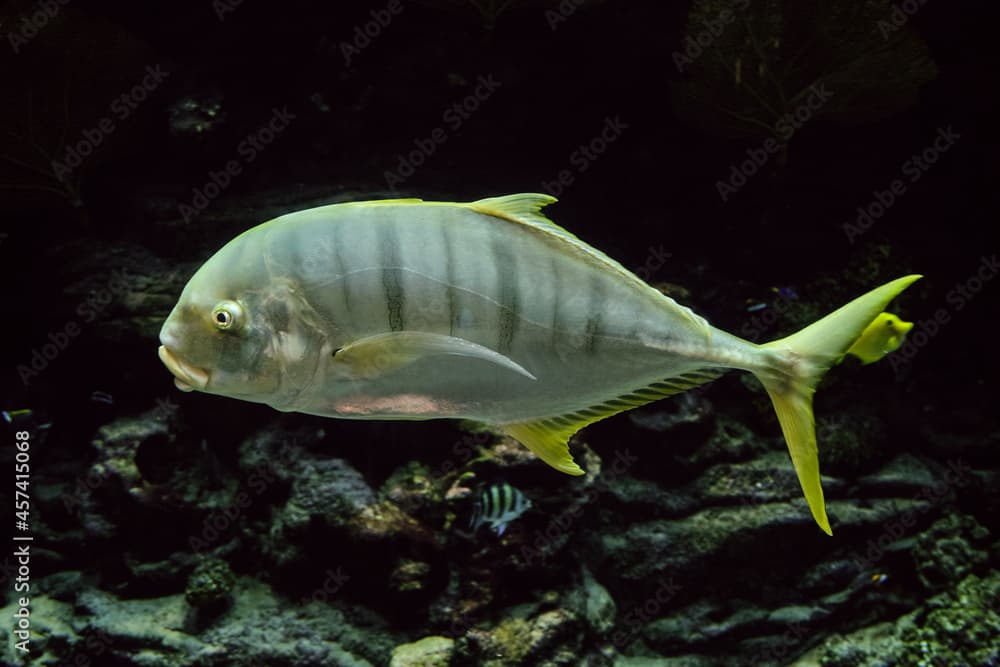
{"x": 489, "y": 311}
{"x": 498, "y": 505}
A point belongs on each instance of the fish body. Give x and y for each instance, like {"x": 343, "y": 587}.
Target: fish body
{"x": 498, "y": 505}
{"x": 405, "y": 309}
{"x": 885, "y": 334}
{"x": 586, "y": 328}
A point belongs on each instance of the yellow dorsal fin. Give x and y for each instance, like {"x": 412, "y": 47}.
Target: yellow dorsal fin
{"x": 525, "y": 208}
{"x": 381, "y": 202}
{"x": 548, "y": 437}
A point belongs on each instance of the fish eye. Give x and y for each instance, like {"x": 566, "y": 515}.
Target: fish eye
{"x": 227, "y": 315}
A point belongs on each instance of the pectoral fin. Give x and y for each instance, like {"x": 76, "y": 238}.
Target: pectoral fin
{"x": 376, "y": 355}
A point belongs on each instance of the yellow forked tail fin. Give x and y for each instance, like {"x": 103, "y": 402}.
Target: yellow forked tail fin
{"x": 800, "y": 363}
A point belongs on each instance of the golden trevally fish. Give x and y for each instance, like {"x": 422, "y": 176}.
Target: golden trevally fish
{"x": 405, "y": 309}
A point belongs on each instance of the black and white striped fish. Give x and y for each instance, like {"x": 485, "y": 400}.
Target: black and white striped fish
{"x": 498, "y": 505}
{"x": 488, "y": 311}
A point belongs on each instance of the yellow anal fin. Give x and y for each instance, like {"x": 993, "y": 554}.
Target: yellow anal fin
{"x": 548, "y": 444}
{"x": 548, "y": 437}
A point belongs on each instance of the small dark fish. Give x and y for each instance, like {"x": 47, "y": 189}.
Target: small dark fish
{"x": 25, "y": 419}
{"x": 102, "y": 397}
{"x": 498, "y": 505}
{"x": 785, "y": 292}
{"x": 12, "y": 416}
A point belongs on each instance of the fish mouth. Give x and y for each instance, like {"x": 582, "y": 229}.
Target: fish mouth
{"x": 186, "y": 376}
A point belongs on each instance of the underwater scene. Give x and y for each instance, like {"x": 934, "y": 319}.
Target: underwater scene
{"x": 500, "y": 333}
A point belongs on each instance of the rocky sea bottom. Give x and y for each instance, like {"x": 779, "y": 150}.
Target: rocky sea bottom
{"x": 152, "y": 549}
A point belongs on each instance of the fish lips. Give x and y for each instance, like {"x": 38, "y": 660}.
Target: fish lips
{"x": 186, "y": 376}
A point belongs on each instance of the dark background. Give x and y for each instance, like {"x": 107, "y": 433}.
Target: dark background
{"x": 655, "y": 187}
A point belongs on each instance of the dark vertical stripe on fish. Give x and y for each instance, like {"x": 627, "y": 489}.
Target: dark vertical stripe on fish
{"x": 341, "y": 264}
{"x": 391, "y": 283}
{"x": 508, "y": 318}
{"x": 554, "y": 289}
{"x": 595, "y": 313}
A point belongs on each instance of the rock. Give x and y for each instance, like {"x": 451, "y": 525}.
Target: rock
{"x": 957, "y": 627}
{"x": 599, "y": 606}
{"x": 850, "y": 440}
{"x": 796, "y": 615}
{"x": 128, "y": 290}
{"x": 153, "y": 628}
{"x": 707, "y": 625}
{"x": 412, "y": 488}
{"x": 646, "y": 498}
{"x": 729, "y": 441}
{"x": 767, "y": 478}
{"x": 328, "y": 491}
{"x": 209, "y": 584}
{"x": 950, "y": 549}
{"x": 63, "y": 586}
{"x": 550, "y": 638}
{"x": 327, "y": 488}
{"x": 53, "y": 635}
{"x": 508, "y": 453}
{"x": 409, "y": 576}
{"x": 258, "y": 628}
{"x": 961, "y": 626}
{"x": 905, "y": 475}
{"x": 869, "y": 647}
{"x": 427, "y": 652}
{"x": 687, "y": 416}
{"x": 684, "y": 544}
{"x": 117, "y": 446}
{"x": 677, "y": 661}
